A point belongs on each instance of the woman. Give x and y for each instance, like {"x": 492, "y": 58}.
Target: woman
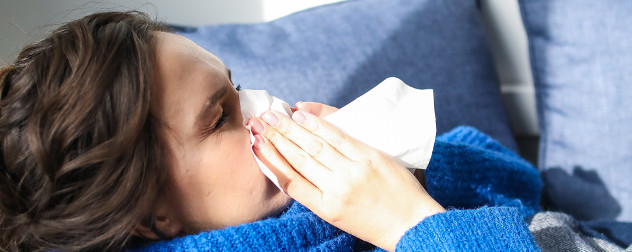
{"x": 112, "y": 128}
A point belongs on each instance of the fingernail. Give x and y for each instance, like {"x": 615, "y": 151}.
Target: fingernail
{"x": 271, "y": 119}
{"x": 298, "y": 104}
{"x": 298, "y": 117}
{"x": 259, "y": 142}
{"x": 256, "y": 127}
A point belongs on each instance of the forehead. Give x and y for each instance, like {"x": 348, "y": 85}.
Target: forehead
{"x": 172, "y": 49}
{"x": 185, "y": 75}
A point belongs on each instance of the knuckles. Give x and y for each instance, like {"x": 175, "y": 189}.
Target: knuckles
{"x": 274, "y": 137}
{"x": 337, "y": 140}
{"x": 314, "y": 148}
{"x": 284, "y": 125}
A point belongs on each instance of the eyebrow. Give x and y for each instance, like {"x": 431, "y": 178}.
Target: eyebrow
{"x": 213, "y": 99}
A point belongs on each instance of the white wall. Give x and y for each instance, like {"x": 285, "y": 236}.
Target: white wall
{"x": 25, "y": 21}
{"x": 273, "y": 9}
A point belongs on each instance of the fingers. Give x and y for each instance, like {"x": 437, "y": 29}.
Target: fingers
{"x": 295, "y": 185}
{"x": 313, "y": 145}
{"x": 290, "y": 155}
{"x": 315, "y": 108}
{"x": 344, "y": 144}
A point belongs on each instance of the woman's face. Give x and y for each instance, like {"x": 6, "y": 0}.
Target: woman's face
{"x": 213, "y": 179}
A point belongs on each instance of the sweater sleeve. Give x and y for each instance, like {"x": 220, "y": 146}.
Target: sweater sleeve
{"x": 482, "y": 229}
{"x": 469, "y": 169}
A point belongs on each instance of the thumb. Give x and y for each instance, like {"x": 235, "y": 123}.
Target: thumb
{"x": 315, "y": 108}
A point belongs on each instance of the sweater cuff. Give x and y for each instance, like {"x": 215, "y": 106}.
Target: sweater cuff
{"x": 482, "y": 229}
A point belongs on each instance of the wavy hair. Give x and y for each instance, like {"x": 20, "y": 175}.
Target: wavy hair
{"x": 80, "y": 160}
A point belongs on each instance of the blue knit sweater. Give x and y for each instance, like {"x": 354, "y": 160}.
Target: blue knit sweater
{"x": 487, "y": 189}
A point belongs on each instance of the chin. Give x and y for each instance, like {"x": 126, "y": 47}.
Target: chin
{"x": 283, "y": 203}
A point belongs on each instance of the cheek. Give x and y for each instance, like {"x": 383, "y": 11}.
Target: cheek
{"x": 237, "y": 170}
{"x": 214, "y": 169}
{"x": 245, "y": 158}
{"x": 225, "y": 186}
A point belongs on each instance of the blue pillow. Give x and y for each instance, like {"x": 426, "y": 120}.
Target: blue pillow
{"x": 581, "y": 57}
{"x": 334, "y": 53}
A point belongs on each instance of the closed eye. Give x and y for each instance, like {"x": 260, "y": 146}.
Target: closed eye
{"x": 212, "y": 128}
{"x": 221, "y": 121}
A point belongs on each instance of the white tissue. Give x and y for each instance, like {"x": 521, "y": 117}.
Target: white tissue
{"x": 392, "y": 117}
{"x": 254, "y": 103}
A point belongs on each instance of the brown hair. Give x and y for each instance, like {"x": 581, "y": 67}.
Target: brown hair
{"x": 80, "y": 160}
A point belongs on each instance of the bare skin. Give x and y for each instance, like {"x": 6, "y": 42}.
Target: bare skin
{"x": 347, "y": 183}
{"x": 214, "y": 181}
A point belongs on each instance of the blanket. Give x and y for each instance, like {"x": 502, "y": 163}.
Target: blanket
{"x": 487, "y": 189}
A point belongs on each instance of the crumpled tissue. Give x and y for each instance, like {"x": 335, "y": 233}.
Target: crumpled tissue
{"x": 393, "y": 117}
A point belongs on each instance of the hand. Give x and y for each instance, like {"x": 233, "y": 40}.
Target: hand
{"x": 345, "y": 182}
{"x": 315, "y": 108}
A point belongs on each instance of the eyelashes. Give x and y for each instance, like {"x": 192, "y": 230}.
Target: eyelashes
{"x": 212, "y": 128}
{"x": 223, "y": 119}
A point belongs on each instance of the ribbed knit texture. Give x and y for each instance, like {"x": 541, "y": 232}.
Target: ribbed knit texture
{"x": 296, "y": 229}
{"x": 467, "y": 170}
{"x": 483, "y": 229}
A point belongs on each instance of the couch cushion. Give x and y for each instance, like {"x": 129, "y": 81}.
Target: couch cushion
{"x": 581, "y": 57}
{"x": 334, "y": 53}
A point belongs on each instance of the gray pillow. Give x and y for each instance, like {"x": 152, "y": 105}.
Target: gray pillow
{"x": 581, "y": 57}
{"x": 334, "y": 53}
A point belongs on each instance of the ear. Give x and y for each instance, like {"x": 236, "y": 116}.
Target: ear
{"x": 142, "y": 230}
{"x": 165, "y": 224}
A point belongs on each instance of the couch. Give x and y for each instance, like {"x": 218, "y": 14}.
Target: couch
{"x": 580, "y": 63}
